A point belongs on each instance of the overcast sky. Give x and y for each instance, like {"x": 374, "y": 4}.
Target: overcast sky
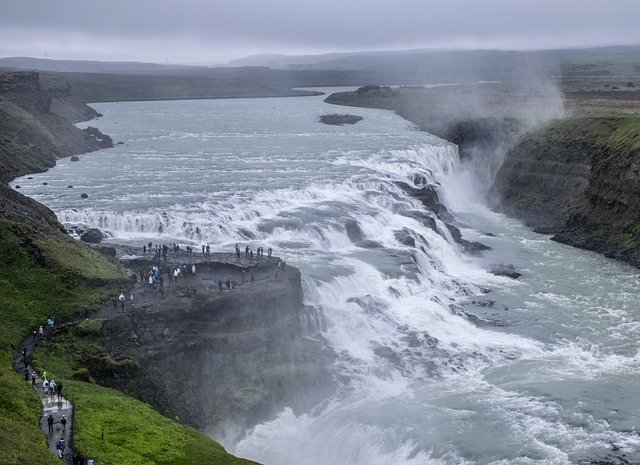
{"x": 215, "y": 31}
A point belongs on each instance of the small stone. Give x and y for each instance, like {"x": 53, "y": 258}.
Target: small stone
{"x": 45, "y": 183}
{"x": 69, "y": 187}
{"x": 84, "y": 195}
{"x": 18, "y": 187}
{"x": 75, "y": 158}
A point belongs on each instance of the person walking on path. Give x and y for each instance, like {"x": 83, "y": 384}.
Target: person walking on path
{"x": 50, "y": 423}
{"x": 59, "y": 389}
{"x": 41, "y": 332}
{"x": 63, "y": 422}
{"x": 122, "y": 299}
{"x": 60, "y": 447}
{"x": 33, "y": 378}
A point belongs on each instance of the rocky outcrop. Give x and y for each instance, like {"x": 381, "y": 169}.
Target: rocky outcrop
{"x": 223, "y": 359}
{"x": 338, "y": 120}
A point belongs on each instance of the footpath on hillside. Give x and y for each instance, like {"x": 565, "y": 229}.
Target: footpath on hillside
{"x": 53, "y": 402}
{"x": 224, "y": 272}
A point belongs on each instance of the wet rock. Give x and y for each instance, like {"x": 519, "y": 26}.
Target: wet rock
{"x": 508, "y": 271}
{"x": 29, "y": 177}
{"x": 45, "y": 183}
{"x": 247, "y": 234}
{"x": 388, "y": 353}
{"x": 428, "y": 195}
{"x": 353, "y": 231}
{"x": 468, "y": 246}
{"x": 75, "y": 158}
{"x": 69, "y": 187}
{"x": 92, "y": 236}
{"x": 84, "y": 195}
{"x": 18, "y": 187}
{"x": 120, "y": 143}
{"x": 369, "y": 244}
{"x": 404, "y": 237}
{"x": 103, "y": 140}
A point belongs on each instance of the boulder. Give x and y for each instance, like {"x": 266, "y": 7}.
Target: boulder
{"x": 92, "y": 236}
{"x": 107, "y": 250}
{"x": 84, "y": 195}
{"x": 508, "y": 271}
{"x": 75, "y": 158}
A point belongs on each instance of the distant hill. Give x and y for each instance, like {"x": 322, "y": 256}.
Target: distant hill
{"x": 82, "y": 66}
{"x": 414, "y": 66}
{"x": 408, "y": 67}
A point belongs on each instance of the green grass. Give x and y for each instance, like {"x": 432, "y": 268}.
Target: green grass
{"x": 134, "y": 433}
{"x": 34, "y": 285}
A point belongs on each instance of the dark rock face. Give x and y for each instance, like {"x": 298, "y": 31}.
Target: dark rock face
{"x": 508, "y": 271}
{"x": 428, "y": 195}
{"x": 468, "y": 246}
{"x": 339, "y": 120}
{"x": 404, "y": 237}
{"x": 92, "y": 236}
{"x": 353, "y": 231}
{"x": 578, "y": 178}
{"x": 103, "y": 140}
{"x": 218, "y": 359}
{"x": 542, "y": 175}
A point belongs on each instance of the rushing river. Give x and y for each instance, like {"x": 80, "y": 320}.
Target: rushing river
{"x": 439, "y": 361}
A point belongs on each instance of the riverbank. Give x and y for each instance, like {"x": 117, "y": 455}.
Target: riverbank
{"x": 574, "y": 176}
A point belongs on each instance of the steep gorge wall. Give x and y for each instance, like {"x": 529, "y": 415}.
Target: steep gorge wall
{"x": 578, "y": 178}
{"x": 222, "y": 361}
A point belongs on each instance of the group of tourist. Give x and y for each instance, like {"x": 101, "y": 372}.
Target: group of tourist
{"x": 248, "y": 252}
{"x": 162, "y": 251}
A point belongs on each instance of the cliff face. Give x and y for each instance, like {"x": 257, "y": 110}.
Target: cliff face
{"x": 580, "y": 179}
{"x": 32, "y": 136}
{"x": 222, "y": 360}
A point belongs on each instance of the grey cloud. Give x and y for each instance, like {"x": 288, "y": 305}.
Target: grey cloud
{"x": 186, "y": 30}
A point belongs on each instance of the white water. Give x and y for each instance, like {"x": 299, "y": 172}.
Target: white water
{"x": 420, "y": 382}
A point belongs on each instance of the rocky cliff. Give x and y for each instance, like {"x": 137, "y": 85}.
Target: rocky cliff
{"x": 32, "y": 135}
{"x": 222, "y": 360}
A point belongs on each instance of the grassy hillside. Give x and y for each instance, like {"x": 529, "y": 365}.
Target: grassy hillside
{"x": 43, "y": 272}
{"x": 33, "y": 285}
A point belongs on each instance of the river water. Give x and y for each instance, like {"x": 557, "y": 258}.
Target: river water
{"x": 439, "y": 361}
